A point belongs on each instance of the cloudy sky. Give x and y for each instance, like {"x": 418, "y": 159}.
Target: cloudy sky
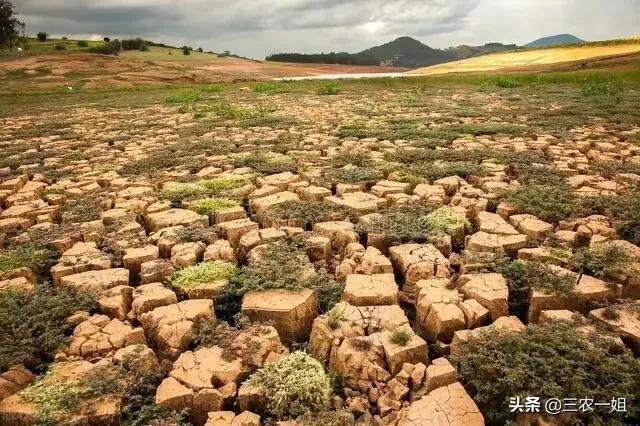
{"x": 256, "y": 28}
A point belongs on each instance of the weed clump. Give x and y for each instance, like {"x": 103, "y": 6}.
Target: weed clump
{"x": 37, "y": 258}
{"x": 209, "y": 206}
{"x": 306, "y": 213}
{"x": 400, "y": 336}
{"x": 548, "y": 203}
{"x": 266, "y": 163}
{"x": 221, "y": 184}
{"x": 328, "y": 88}
{"x": 601, "y": 261}
{"x": 353, "y": 175}
{"x": 177, "y": 192}
{"x": 294, "y": 385}
{"x": 602, "y": 90}
{"x": 202, "y": 273}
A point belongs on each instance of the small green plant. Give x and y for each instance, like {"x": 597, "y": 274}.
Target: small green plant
{"x": 60, "y": 46}
{"x": 306, "y": 212}
{"x": 603, "y": 260}
{"x": 53, "y": 397}
{"x": 507, "y": 83}
{"x": 202, "y": 273}
{"x": 353, "y": 175}
{"x": 400, "y": 336}
{"x": 209, "y": 206}
{"x": 271, "y": 86}
{"x": 177, "y": 192}
{"x": 335, "y": 315}
{"x": 294, "y": 385}
{"x": 362, "y": 344}
{"x": 328, "y": 88}
{"x": 82, "y": 209}
{"x": 602, "y": 90}
{"x": 221, "y": 184}
{"x": 611, "y": 313}
{"x": 38, "y": 259}
{"x": 269, "y": 163}
{"x": 183, "y": 98}
{"x": 238, "y": 112}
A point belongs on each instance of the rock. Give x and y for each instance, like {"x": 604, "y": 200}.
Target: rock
{"x": 235, "y": 229}
{"x": 219, "y": 250}
{"x": 356, "y": 364}
{"x": 116, "y": 302}
{"x": 417, "y": 262}
{"x": 414, "y": 352}
{"x": 156, "y": 271}
{"x": 134, "y": 258}
{"x": 370, "y": 290}
{"x": 82, "y": 257}
{"x": 511, "y": 323}
{"x": 173, "y": 217}
{"x": 171, "y": 327}
{"x": 489, "y": 289}
{"x": 147, "y": 297}
{"x": 205, "y": 401}
{"x": 291, "y": 312}
{"x": 374, "y": 262}
{"x": 341, "y": 233}
{"x": 14, "y": 380}
{"x": 482, "y": 242}
{"x": 95, "y": 282}
{"x": 206, "y": 368}
{"x": 138, "y": 354}
{"x": 439, "y": 373}
{"x": 360, "y": 203}
{"x": 448, "y": 405}
{"x": 100, "y": 336}
{"x": 492, "y": 223}
{"x": 437, "y": 311}
{"x": 260, "y": 205}
{"x": 173, "y": 395}
{"x": 252, "y": 398}
{"x": 627, "y": 323}
{"x": 534, "y": 228}
{"x": 102, "y": 410}
{"x": 475, "y": 314}
{"x": 187, "y": 254}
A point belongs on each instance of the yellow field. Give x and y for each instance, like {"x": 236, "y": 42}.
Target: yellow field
{"x": 517, "y": 60}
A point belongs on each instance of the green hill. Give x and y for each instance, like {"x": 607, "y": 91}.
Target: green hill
{"x": 555, "y": 40}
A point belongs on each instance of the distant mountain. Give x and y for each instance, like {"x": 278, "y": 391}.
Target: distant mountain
{"x": 555, "y": 40}
{"x": 410, "y": 53}
{"x": 402, "y": 52}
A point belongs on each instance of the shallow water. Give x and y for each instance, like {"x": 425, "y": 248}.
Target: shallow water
{"x": 345, "y": 76}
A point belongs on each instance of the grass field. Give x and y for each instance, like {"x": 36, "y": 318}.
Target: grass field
{"x": 519, "y": 60}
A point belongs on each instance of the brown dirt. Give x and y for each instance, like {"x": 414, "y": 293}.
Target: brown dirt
{"x": 91, "y": 70}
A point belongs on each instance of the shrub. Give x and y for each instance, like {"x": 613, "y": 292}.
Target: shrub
{"x": 553, "y": 361}
{"x": 445, "y": 220}
{"x": 209, "y": 206}
{"x": 362, "y": 344}
{"x": 60, "y": 46}
{"x": 106, "y": 39}
{"x": 109, "y": 48}
{"x": 33, "y": 325}
{"x": 42, "y": 36}
{"x": 294, "y": 385}
{"x": 82, "y": 209}
{"x": 271, "y": 86}
{"x": 35, "y": 257}
{"x": 238, "y": 112}
{"x": 507, "y": 83}
{"x": 602, "y": 260}
{"x": 235, "y": 342}
{"x": 353, "y": 175}
{"x": 83, "y": 43}
{"x": 400, "y": 336}
{"x": 357, "y": 158}
{"x": 186, "y": 50}
{"x": 266, "y": 163}
{"x": 177, "y": 192}
{"x": 328, "y": 88}
{"x": 611, "y": 313}
{"x": 205, "y": 272}
{"x": 133, "y": 44}
{"x": 400, "y": 224}
{"x": 428, "y": 172}
{"x": 283, "y": 264}
{"x": 221, "y": 184}
{"x": 523, "y": 277}
{"x": 548, "y": 203}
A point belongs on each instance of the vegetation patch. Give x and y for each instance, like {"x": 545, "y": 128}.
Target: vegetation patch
{"x": 33, "y": 325}
{"x": 283, "y": 264}
{"x": 220, "y": 185}
{"x": 202, "y": 273}
{"x": 266, "y": 163}
{"x": 177, "y": 192}
{"x": 602, "y": 260}
{"x": 37, "y": 258}
{"x": 548, "y": 203}
{"x": 553, "y": 361}
{"x": 328, "y": 88}
{"x": 209, "y": 206}
{"x": 523, "y": 277}
{"x": 429, "y": 172}
{"x": 353, "y": 175}
{"x": 400, "y": 336}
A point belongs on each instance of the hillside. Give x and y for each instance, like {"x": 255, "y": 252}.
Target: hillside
{"x": 409, "y": 52}
{"x": 555, "y": 40}
{"x": 526, "y": 59}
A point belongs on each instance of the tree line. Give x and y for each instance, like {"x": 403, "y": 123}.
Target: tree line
{"x": 341, "y": 58}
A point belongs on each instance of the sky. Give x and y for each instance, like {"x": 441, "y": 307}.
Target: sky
{"x": 256, "y": 28}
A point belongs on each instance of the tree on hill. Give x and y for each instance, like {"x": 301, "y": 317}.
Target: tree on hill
{"x": 10, "y": 27}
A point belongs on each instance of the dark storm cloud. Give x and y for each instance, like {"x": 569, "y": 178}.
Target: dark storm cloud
{"x": 259, "y": 27}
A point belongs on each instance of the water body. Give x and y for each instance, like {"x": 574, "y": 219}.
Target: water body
{"x": 345, "y": 76}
